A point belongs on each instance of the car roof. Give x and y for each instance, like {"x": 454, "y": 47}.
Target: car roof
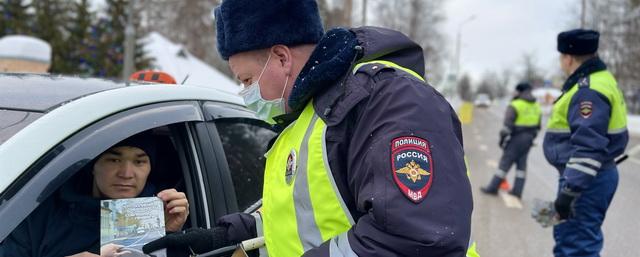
{"x": 62, "y": 120}
{"x": 43, "y": 92}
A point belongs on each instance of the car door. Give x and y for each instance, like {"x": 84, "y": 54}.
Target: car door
{"x": 240, "y": 141}
{"x": 173, "y": 122}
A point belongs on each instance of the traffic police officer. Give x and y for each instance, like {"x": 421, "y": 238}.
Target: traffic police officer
{"x": 370, "y": 161}
{"x": 586, "y": 131}
{"x": 521, "y": 126}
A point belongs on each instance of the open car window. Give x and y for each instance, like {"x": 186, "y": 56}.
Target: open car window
{"x": 49, "y": 174}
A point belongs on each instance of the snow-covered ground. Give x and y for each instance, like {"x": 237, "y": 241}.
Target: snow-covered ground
{"x": 176, "y": 60}
{"x": 633, "y": 124}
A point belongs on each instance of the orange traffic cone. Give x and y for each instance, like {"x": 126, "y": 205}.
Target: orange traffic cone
{"x": 504, "y": 185}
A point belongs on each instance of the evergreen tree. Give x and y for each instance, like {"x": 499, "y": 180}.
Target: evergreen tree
{"x": 50, "y": 18}
{"x": 14, "y": 18}
{"x": 80, "y": 47}
{"x": 109, "y": 33}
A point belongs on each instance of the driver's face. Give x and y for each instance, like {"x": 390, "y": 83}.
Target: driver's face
{"x": 121, "y": 172}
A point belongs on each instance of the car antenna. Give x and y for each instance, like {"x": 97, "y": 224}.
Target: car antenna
{"x": 185, "y": 79}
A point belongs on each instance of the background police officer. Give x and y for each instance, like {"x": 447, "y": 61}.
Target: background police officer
{"x": 521, "y": 125}
{"x": 370, "y": 162}
{"x": 586, "y": 131}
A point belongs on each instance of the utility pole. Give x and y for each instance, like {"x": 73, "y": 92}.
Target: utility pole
{"x": 364, "y": 12}
{"x": 583, "y": 14}
{"x": 348, "y": 7}
{"x": 129, "y": 43}
{"x": 458, "y": 43}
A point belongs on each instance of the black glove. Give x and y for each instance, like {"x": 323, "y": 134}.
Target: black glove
{"x": 505, "y": 136}
{"x": 564, "y": 203}
{"x": 199, "y": 240}
{"x": 504, "y": 140}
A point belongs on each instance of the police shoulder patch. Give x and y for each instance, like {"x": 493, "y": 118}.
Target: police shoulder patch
{"x": 412, "y": 166}
{"x": 586, "y": 109}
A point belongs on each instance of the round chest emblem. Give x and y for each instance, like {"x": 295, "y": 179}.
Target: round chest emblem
{"x": 292, "y": 165}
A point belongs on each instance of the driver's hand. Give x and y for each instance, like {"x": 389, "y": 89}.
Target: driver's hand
{"x": 112, "y": 250}
{"x": 176, "y": 209}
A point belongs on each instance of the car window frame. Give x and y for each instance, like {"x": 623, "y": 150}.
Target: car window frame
{"x": 61, "y": 162}
{"x": 213, "y": 112}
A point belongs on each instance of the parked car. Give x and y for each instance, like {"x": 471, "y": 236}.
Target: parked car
{"x": 482, "y": 100}
{"x": 209, "y": 145}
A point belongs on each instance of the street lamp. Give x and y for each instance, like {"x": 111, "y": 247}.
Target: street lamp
{"x": 458, "y": 39}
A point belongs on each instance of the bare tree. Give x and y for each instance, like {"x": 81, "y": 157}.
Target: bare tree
{"x": 421, "y": 20}
{"x": 618, "y": 22}
{"x": 188, "y": 22}
{"x": 530, "y": 72}
{"x": 464, "y": 88}
{"x": 336, "y": 13}
{"x": 504, "y": 82}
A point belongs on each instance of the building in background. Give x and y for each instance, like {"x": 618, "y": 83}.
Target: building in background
{"x": 24, "y": 54}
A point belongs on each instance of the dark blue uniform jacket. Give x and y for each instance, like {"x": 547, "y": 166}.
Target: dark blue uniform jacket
{"x": 589, "y": 137}
{"x": 366, "y": 112}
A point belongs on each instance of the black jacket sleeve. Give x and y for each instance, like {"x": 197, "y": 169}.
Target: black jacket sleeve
{"x": 395, "y": 224}
{"x": 510, "y": 118}
{"x": 17, "y": 243}
{"x": 240, "y": 226}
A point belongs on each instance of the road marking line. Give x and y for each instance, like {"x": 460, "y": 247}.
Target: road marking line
{"x": 510, "y": 201}
{"x": 492, "y": 163}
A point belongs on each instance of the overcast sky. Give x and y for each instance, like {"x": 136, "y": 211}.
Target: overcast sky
{"x": 504, "y": 30}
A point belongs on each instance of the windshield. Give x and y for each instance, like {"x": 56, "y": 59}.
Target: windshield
{"x": 13, "y": 121}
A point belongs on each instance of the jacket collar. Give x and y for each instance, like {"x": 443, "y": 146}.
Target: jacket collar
{"x": 588, "y": 67}
{"x": 328, "y": 63}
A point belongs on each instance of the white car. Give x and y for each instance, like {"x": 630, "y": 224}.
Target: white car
{"x": 209, "y": 145}
{"x": 482, "y": 100}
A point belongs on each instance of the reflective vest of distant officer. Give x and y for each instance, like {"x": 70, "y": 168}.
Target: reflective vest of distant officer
{"x": 586, "y": 131}
{"x": 521, "y": 126}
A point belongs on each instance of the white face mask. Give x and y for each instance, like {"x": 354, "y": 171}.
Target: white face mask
{"x": 265, "y": 109}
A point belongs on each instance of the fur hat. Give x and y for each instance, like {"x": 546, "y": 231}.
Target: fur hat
{"x": 521, "y": 87}
{"x": 245, "y": 25}
{"x": 578, "y": 42}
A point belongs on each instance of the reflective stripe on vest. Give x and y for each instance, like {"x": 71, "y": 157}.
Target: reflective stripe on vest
{"x": 308, "y": 210}
{"x": 527, "y": 113}
{"x": 390, "y": 64}
{"x": 602, "y": 82}
{"x": 472, "y": 252}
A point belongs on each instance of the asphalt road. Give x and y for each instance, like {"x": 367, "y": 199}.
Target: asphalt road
{"x": 502, "y": 229}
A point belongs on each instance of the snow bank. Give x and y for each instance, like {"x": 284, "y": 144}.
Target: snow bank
{"x": 178, "y": 62}
{"x": 633, "y": 124}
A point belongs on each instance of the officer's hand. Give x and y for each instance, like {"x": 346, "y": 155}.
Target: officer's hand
{"x": 504, "y": 140}
{"x": 198, "y": 240}
{"x": 564, "y": 203}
